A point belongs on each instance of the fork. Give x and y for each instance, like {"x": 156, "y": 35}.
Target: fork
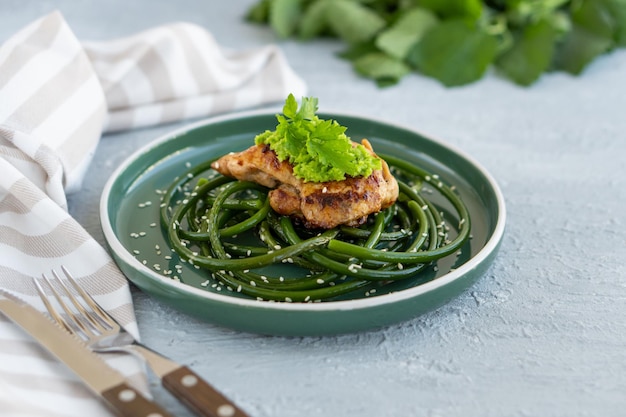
{"x": 102, "y": 333}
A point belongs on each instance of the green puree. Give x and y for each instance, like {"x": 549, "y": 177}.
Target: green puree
{"x": 318, "y": 149}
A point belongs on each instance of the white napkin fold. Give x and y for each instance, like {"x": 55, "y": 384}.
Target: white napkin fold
{"x": 57, "y": 96}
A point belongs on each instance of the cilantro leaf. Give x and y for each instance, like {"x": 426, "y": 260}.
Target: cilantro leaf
{"x": 290, "y": 109}
{"x": 308, "y": 108}
{"x": 319, "y": 150}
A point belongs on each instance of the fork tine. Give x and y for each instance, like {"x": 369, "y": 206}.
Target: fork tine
{"x": 75, "y": 323}
{"x": 53, "y": 311}
{"x": 83, "y": 312}
{"x": 89, "y": 300}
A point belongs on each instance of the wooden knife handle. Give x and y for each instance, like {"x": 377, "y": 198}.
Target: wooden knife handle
{"x": 199, "y": 395}
{"x": 128, "y": 402}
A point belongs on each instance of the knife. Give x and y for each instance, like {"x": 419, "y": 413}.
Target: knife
{"x": 103, "y": 380}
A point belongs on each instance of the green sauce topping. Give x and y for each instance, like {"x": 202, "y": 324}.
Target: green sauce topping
{"x": 318, "y": 149}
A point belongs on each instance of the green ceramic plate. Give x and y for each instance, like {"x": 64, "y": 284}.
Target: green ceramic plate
{"x": 129, "y": 215}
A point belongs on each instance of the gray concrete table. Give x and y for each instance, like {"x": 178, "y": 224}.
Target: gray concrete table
{"x": 543, "y": 333}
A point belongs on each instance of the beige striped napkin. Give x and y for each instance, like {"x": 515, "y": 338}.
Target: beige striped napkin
{"x": 57, "y": 96}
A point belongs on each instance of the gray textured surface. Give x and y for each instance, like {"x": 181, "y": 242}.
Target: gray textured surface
{"x": 543, "y": 333}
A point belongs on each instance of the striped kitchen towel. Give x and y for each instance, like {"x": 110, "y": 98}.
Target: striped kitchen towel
{"x": 57, "y": 97}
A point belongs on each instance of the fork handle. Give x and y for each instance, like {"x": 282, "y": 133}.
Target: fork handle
{"x": 199, "y": 395}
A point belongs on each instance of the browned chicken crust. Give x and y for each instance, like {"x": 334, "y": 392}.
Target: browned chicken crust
{"x": 317, "y": 204}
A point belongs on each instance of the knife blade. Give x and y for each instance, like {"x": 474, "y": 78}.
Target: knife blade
{"x": 103, "y": 380}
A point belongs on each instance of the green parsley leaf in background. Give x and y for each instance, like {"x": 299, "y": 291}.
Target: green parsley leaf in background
{"x": 352, "y": 21}
{"x": 455, "y": 52}
{"x": 398, "y": 39}
{"x": 455, "y": 41}
{"x": 592, "y": 34}
{"x": 531, "y": 54}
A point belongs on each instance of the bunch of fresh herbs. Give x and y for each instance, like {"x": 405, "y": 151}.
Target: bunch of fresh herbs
{"x": 455, "y": 41}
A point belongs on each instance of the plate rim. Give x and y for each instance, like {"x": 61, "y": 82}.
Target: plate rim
{"x": 119, "y": 250}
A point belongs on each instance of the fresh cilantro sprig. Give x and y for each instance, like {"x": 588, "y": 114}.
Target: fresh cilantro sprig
{"x": 318, "y": 149}
{"x": 455, "y": 41}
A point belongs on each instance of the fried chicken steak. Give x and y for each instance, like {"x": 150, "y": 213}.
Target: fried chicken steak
{"x": 317, "y": 204}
